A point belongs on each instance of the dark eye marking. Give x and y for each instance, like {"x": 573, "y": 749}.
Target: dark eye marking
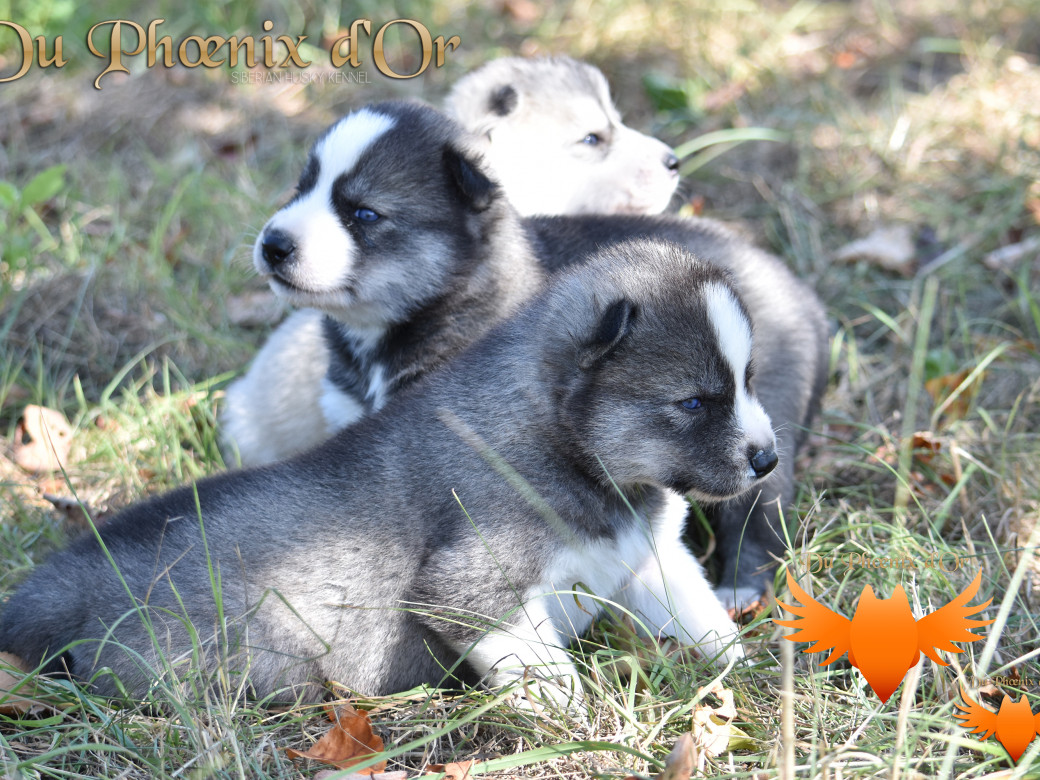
{"x": 309, "y": 177}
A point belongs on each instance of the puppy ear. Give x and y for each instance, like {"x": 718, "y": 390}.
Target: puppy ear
{"x": 614, "y": 325}
{"x": 473, "y": 184}
{"x": 503, "y": 100}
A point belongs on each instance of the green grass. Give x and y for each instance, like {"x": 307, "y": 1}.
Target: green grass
{"x": 127, "y": 216}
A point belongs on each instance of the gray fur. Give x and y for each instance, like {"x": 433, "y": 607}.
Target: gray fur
{"x": 351, "y": 562}
{"x": 481, "y": 281}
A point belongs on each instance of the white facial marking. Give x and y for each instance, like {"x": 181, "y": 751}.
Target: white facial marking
{"x": 324, "y": 249}
{"x": 733, "y": 332}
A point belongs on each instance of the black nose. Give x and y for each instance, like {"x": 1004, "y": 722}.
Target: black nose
{"x": 671, "y": 162}
{"x": 276, "y": 247}
{"x": 763, "y": 461}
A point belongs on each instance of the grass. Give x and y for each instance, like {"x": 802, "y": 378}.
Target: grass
{"x": 126, "y": 218}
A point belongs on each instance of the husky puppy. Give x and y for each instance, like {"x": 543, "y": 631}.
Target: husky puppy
{"x": 549, "y": 131}
{"x": 557, "y": 145}
{"x": 486, "y": 513}
{"x": 400, "y": 234}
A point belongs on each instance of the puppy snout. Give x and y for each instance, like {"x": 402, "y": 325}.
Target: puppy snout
{"x": 671, "y": 162}
{"x": 762, "y": 461}
{"x": 276, "y": 247}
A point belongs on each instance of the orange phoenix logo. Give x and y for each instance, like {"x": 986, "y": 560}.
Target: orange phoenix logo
{"x": 1014, "y": 723}
{"x": 883, "y": 639}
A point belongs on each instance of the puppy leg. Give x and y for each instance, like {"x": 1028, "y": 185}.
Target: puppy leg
{"x": 275, "y": 409}
{"x": 749, "y": 536}
{"x": 670, "y": 594}
{"x": 528, "y": 648}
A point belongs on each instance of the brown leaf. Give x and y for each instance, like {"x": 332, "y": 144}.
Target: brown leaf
{"x": 453, "y": 771}
{"x": 941, "y": 388}
{"x": 43, "y": 440}
{"x": 745, "y": 613}
{"x": 349, "y": 742}
{"x": 16, "y": 689}
{"x": 681, "y": 761}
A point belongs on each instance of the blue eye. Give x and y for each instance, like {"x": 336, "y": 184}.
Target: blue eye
{"x": 366, "y": 215}
{"x": 691, "y": 403}
{"x": 592, "y": 139}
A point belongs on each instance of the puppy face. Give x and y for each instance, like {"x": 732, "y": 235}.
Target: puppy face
{"x": 662, "y": 392}
{"x": 555, "y": 141}
{"x": 364, "y": 238}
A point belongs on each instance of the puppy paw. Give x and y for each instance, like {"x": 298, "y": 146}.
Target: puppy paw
{"x": 739, "y": 600}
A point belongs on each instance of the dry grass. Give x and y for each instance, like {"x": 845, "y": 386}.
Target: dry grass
{"x": 114, "y": 307}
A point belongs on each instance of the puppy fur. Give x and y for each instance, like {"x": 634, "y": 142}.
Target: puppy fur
{"x": 484, "y": 513}
{"x": 444, "y": 256}
{"x": 558, "y": 146}
{"x": 549, "y": 131}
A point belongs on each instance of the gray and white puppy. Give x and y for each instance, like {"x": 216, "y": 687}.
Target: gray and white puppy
{"x": 556, "y": 144}
{"x": 550, "y": 132}
{"x": 484, "y": 513}
{"x": 398, "y": 232}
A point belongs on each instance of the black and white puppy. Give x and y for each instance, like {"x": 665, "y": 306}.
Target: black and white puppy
{"x": 403, "y": 238}
{"x": 550, "y": 132}
{"x": 487, "y": 513}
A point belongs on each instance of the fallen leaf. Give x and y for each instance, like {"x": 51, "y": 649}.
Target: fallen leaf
{"x": 453, "y": 771}
{"x": 349, "y": 742}
{"x": 42, "y": 440}
{"x": 681, "y": 761}
{"x": 941, "y": 388}
{"x": 888, "y": 246}
{"x": 325, "y": 774}
{"x": 13, "y": 687}
{"x": 1007, "y": 257}
{"x": 712, "y": 728}
{"x": 745, "y": 613}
